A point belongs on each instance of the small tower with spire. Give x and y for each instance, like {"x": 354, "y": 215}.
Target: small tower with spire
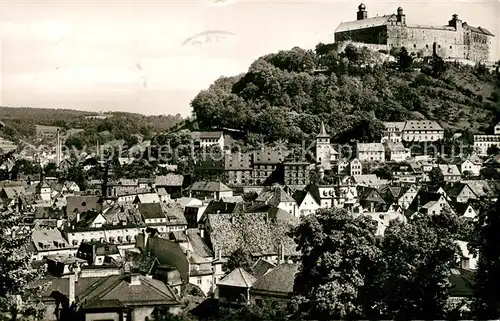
{"x": 362, "y": 14}
{"x": 323, "y": 148}
{"x": 43, "y": 188}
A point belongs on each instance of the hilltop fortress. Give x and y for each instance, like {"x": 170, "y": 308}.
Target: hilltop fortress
{"x": 456, "y": 40}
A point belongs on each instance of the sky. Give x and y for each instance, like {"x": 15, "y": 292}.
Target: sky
{"x": 153, "y": 57}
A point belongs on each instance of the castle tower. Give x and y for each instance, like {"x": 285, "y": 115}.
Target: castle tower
{"x": 401, "y": 17}
{"x": 362, "y": 14}
{"x": 323, "y": 148}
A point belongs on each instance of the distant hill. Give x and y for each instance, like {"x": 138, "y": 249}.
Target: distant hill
{"x": 20, "y": 123}
{"x": 286, "y": 95}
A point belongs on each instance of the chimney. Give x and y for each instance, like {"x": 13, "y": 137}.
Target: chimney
{"x": 220, "y": 254}
{"x": 281, "y": 254}
{"x": 77, "y": 217}
{"x": 71, "y": 294}
{"x": 135, "y": 280}
{"x": 202, "y": 233}
{"x": 58, "y": 149}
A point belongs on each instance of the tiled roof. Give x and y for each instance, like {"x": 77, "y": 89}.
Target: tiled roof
{"x": 238, "y": 278}
{"x": 117, "y": 291}
{"x": 274, "y": 195}
{"x": 280, "y": 279}
{"x": 169, "y": 180}
{"x": 449, "y": 170}
{"x": 206, "y": 135}
{"x": 199, "y": 247}
{"x": 370, "y": 147}
{"x": 148, "y": 198}
{"x": 174, "y": 213}
{"x": 261, "y": 267}
{"x": 365, "y": 23}
{"x": 151, "y": 210}
{"x": 481, "y": 188}
{"x": 422, "y": 125}
{"x": 46, "y": 239}
{"x": 399, "y": 126}
{"x": 481, "y": 30}
{"x": 209, "y": 187}
{"x": 462, "y": 283}
{"x": 80, "y": 204}
{"x": 251, "y": 230}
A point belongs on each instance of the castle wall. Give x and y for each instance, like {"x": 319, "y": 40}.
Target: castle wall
{"x": 421, "y": 40}
{"x": 375, "y": 35}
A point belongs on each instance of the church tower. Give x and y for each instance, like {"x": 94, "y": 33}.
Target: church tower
{"x": 323, "y": 148}
{"x": 362, "y": 14}
{"x": 43, "y": 188}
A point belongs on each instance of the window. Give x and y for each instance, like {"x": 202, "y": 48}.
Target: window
{"x": 451, "y": 47}
{"x": 198, "y": 281}
{"x": 414, "y": 46}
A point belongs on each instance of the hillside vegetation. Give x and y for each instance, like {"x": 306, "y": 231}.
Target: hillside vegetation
{"x": 20, "y": 124}
{"x": 287, "y": 94}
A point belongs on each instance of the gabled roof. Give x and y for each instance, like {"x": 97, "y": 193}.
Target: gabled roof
{"x": 238, "y": 278}
{"x": 151, "y": 210}
{"x": 148, "y": 198}
{"x": 261, "y": 267}
{"x": 274, "y": 195}
{"x": 422, "y": 125}
{"x": 480, "y": 30}
{"x": 269, "y": 156}
{"x": 169, "y": 180}
{"x": 117, "y": 291}
{"x": 231, "y": 231}
{"x": 449, "y": 170}
{"x": 365, "y": 23}
{"x": 280, "y": 279}
{"x": 370, "y": 147}
{"x": 204, "y": 186}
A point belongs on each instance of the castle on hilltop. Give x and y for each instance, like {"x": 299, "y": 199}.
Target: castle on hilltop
{"x": 456, "y": 40}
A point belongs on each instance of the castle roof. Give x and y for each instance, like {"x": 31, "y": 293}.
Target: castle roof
{"x": 478, "y": 30}
{"x": 365, "y": 23}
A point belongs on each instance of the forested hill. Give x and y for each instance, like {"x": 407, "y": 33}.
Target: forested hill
{"x": 286, "y": 95}
{"x": 20, "y": 124}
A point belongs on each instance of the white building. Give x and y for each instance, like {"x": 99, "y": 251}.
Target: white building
{"x": 209, "y": 139}
{"x": 393, "y": 132}
{"x": 472, "y": 165}
{"x": 397, "y": 152}
{"x": 422, "y": 131}
{"x": 483, "y": 142}
{"x": 370, "y": 152}
{"x": 497, "y": 129}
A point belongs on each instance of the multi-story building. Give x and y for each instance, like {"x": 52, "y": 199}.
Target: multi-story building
{"x": 422, "y": 131}
{"x": 296, "y": 171}
{"x": 483, "y": 142}
{"x": 393, "y": 132}
{"x": 208, "y": 139}
{"x": 397, "y": 152}
{"x": 370, "y": 152}
{"x": 355, "y": 167}
{"x": 455, "y": 40}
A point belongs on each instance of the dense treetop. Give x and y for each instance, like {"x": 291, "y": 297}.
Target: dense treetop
{"x": 20, "y": 124}
{"x": 287, "y": 94}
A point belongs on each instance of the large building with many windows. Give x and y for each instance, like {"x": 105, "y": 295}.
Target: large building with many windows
{"x": 456, "y": 39}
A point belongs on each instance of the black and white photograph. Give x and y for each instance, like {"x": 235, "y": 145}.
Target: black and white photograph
{"x": 249, "y": 160}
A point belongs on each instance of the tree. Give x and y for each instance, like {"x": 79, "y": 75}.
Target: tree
{"x": 436, "y": 177}
{"x": 418, "y": 257}
{"x": 487, "y": 298}
{"x": 493, "y": 150}
{"x": 384, "y": 172}
{"x": 338, "y": 253}
{"x": 405, "y": 60}
{"x": 17, "y": 278}
{"x": 240, "y": 258}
